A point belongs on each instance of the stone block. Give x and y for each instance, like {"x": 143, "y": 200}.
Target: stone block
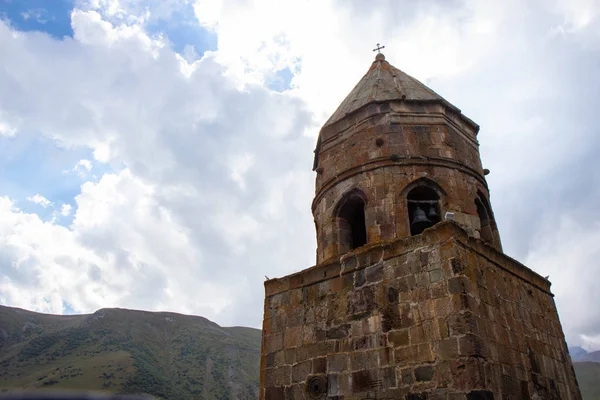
{"x": 362, "y": 381}
{"x": 458, "y": 284}
{"x": 459, "y": 324}
{"x": 436, "y": 275}
{"x": 279, "y": 376}
{"x": 337, "y": 362}
{"x": 274, "y": 393}
{"x": 424, "y": 373}
{"x": 374, "y": 273}
{"x": 364, "y": 360}
{"x": 448, "y": 349}
{"x": 417, "y": 334}
{"x": 338, "y": 332}
{"x": 301, "y": 371}
{"x": 273, "y": 343}
{"x": 319, "y": 365}
{"x": 399, "y": 338}
{"x": 388, "y": 378}
{"x": 292, "y": 337}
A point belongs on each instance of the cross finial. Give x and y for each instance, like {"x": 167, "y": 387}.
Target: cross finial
{"x": 379, "y": 48}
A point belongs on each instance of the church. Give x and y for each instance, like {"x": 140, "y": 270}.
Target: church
{"x": 411, "y": 296}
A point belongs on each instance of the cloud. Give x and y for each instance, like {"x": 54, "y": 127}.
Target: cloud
{"x": 65, "y": 210}
{"x": 201, "y": 167}
{"x": 40, "y": 200}
{"x": 204, "y": 182}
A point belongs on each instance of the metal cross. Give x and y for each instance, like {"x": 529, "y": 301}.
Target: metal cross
{"x": 379, "y": 48}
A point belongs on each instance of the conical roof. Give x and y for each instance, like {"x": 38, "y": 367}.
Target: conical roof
{"x": 383, "y": 82}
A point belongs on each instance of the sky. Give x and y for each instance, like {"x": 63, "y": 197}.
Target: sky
{"x": 157, "y": 154}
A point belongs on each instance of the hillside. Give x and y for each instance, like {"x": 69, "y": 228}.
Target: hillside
{"x": 168, "y": 355}
{"x": 588, "y": 376}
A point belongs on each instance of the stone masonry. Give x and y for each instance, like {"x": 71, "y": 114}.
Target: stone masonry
{"x": 412, "y": 297}
{"x": 435, "y": 316}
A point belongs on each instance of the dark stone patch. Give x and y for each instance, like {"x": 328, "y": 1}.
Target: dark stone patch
{"x": 508, "y": 386}
{"x": 424, "y": 373}
{"x": 319, "y": 365}
{"x": 390, "y": 318}
{"x": 407, "y": 376}
{"x": 362, "y": 301}
{"x": 374, "y": 273}
{"x": 457, "y": 266}
{"x": 274, "y": 393}
{"x": 359, "y": 278}
{"x": 480, "y": 395}
{"x": 524, "y": 390}
{"x": 339, "y": 332}
{"x": 535, "y": 368}
{"x": 424, "y": 258}
{"x": 392, "y": 295}
{"x": 388, "y": 377}
{"x": 361, "y": 381}
{"x": 458, "y": 284}
{"x": 416, "y": 396}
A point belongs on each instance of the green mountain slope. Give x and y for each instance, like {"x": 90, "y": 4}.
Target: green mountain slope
{"x": 588, "y": 377}
{"x": 168, "y": 355}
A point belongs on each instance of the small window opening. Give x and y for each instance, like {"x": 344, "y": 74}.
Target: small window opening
{"x": 423, "y": 209}
{"x": 352, "y": 228}
{"x": 484, "y": 219}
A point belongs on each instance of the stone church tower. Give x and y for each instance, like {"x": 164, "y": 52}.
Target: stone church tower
{"x": 412, "y": 296}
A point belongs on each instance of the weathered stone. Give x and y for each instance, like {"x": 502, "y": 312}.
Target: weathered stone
{"x": 337, "y": 362}
{"x": 319, "y": 365}
{"x": 362, "y": 381}
{"x": 274, "y": 393}
{"x": 458, "y": 284}
{"x": 448, "y": 349}
{"x": 399, "y": 338}
{"x": 424, "y": 373}
{"x": 441, "y": 314}
{"x": 374, "y": 273}
{"x": 480, "y": 395}
{"x": 436, "y": 275}
{"x": 301, "y": 371}
{"x": 339, "y": 332}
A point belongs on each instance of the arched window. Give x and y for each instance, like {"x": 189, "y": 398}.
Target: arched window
{"x": 484, "y": 219}
{"x": 352, "y": 231}
{"x": 423, "y": 208}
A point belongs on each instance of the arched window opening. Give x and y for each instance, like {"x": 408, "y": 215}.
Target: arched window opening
{"x": 351, "y": 223}
{"x": 423, "y": 209}
{"x": 485, "y": 221}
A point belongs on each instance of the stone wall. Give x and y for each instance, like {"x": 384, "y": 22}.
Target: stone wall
{"x": 435, "y": 316}
{"x": 380, "y": 151}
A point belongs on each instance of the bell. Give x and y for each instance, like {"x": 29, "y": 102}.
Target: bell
{"x": 432, "y": 213}
{"x": 419, "y": 222}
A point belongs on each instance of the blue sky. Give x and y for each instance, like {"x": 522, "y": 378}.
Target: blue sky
{"x": 50, "y": 16}
{"x": 31, "y": 163}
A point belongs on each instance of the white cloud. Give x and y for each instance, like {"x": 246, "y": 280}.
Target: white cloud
{"x": 40, "y": 200}
{"x": 172, "y": 227}
{"x": 568, "y": 252}
{"x": 65, "y": 210}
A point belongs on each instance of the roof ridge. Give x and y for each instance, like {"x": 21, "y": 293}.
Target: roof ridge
{"x": 383, "y": 82}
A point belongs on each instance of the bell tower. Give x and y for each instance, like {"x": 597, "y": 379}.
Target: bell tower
{"x": 412, "y": 296}
{"x": 407, "y": 157}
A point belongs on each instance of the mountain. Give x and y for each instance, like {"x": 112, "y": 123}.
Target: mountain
{"x": 580, "y": 355}
{"x": 167, "y": 355}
